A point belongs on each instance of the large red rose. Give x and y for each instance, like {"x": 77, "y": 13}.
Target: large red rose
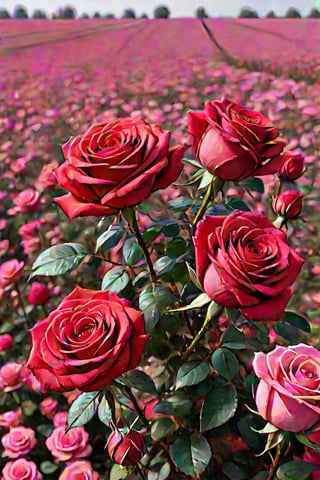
{"x": 234, "y": 142}
{"x": 244, "y": 262}
{"x": 116, "y": 165}
{"x": 87, "y": 342}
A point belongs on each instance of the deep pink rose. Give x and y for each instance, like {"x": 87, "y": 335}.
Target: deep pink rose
{"x": 48, "y": 407}
{"x": 87, "y": 342}
{"x": 79, "y": 470}
{"x": 288, "y": 203}
{"x": 69, "y": 446}
{"x": 10, "y": 418}
{"x": 19, "y": 441}
{"x": 234, "y": 142}
{"x": 293, "y": 166}
{"x": 38, "y": 294}
{"x": 5, "y": 342}
{"x": 116, "y": 165}
{"x": 126, "y": 448}
{"x": 244, "y": 262}
{"x": 10, "y": 272}
{"x": 288, "y": 392}
{"x": 21, "y": 469}
{"x": 26, "y": 201}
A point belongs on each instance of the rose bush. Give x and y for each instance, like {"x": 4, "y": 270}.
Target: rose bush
{"x": 289, "y": 389}
{"x": 116, "y": 165}
{"x": 244, "y": 262}
{"x": 234, "y": 142}
{"x": 88, "y": 341}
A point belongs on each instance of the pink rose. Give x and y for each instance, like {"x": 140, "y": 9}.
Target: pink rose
{"x": 21, "y": 469}
{"x": 12, "y": 376}
{"x": 126, "y": 448}
{"x": 10, "y": 272}
{"x": 5, "y": 342}
{"x": 68, "y": 446}
{"x": 88, "y": 341}
{"x": 38, "y": 294}
{"x": 26, "y": 201}
{"x": 10, "y": 418}
{"x": 48, "y": 407}
{"x": 115, "y": 165}
{"x": 288, "y": 392}
{"x": 80, "y": 470}
{"x": 234, "y": 142}
{"x": 245, "y": 262}
{"x": 60, "y": 419}
{"x": 19, "y": 441}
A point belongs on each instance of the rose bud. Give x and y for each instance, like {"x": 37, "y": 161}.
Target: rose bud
{"x": 292, "y": 167}
{"x": 126, "y": 448}
{"x": 48, "y": 407}
{"x": 38, "y": 294}
{"x": 288, "y": 204}
{"x": 21, "y": 469}
{"x": 234, "y": 142}
{"x": 5, "y": 342}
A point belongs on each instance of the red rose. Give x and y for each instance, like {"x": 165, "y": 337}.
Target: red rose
{"x": 292, "y": 167}
{"x": 244, "y": 262}
{"x": 116, "y": 165}
{"x": 288, "y": 203}
{"x": 234, "y": 142}
{"x": 87, "y": 342}
{"x": 126, "y": 448}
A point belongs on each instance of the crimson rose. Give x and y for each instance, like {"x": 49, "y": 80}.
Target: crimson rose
{"x": 116, "y": 165}
{"x": 234, "y": 142}
{"x": 244, "y": 262}
{"x": 88, "y": 341}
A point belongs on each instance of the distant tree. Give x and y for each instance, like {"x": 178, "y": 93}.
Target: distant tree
{"x": 293, "y": 12}
{"x": 161, "y": 12}
{"x": 271, "y": 14}
{"x": 201, "y": 13}
{"x": 314, "y": 13}
{"x": 68, "y": 12}
{"x": 109, "y": 15}
{"x": 248, "y": 12}
{"x": 144, "y": 15}
{"x": 20, "y": 12}
{"x": 129, "y": 13}
{"x": 96, "y": 15}
{"x": 85, "y": 16}
{"x": 39, "y": 14}
{"x": 4, "y": 13}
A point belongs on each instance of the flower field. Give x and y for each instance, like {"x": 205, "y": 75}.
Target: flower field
{"x": 159, "y": 273}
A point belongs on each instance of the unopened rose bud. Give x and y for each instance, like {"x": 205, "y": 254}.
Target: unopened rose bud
{"x": 5, "y": 342}
{"x": 38, "y": 294}
{"x": 292, "y": 167}
{"x": 288, "y": 204}
{"x": 126, "y": 448}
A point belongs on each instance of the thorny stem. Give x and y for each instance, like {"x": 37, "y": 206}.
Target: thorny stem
{"x": 134, "y": 227}
{"x": 274, "y": 466}
{"x": 203, "y": 205}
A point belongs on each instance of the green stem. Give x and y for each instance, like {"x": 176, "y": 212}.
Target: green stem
{"x": 213, "y": 189}
{"x": 136, "y": 406}
{"x": 20, "y": 300}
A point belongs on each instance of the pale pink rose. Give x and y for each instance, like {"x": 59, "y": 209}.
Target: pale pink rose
{"x": 288, "y": 392}
{"x": 80, "y": 470}
{"x": 69, "y": 446}
{"x": 60, "y": 419}
{"x": 10, "y": 272}
{"x": 12, "y": 376}
{"x": 48, "y": 407}
{"x": 19, "y": 441}
{"x": 10, "y": 418}
{"x": 21, "y": 469}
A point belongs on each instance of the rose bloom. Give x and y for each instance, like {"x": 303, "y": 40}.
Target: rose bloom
{"x": 115, "y": 165}
{"x": 10, "y": 418}
{"x": 80, "y": 470}
{"x": 21, "y": 469}
{"x": 293, "y": 166}
{"x": 87, "y": 342}
{"x": 234, "y": 142}
{"x": 12, "y": 376}
{"x": 38, "y": 294}
{"x": 10, "y": 272}
{"x": 126, "y": 448}
{"x": 18, "y": 441}
{"x": 68, "y": 446}
{"x": 244, "y": 262}
{"x": 5, "y": 342}
{"x": 26, "y": 201}
{"x": 48, "y": 407}
{"x": 288, "y": 203}
{"x": 60, "y": 419}
{"x": 289, "y": 389}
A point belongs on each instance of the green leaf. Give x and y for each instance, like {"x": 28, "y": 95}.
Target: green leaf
{"x": 198, "y": 302}
{"x": 232, "y": 471}
{"x": 305, "y": 441}
{"x": 192, "y": 162}
{"x": 191, "y": 455}
{"x": 116, "y": 279}
{"x": 59, "y": 259}
{"x": 148, "y": 305}
{"x": 254, "y": 184}
{"x": 151, "y": 233}
{"x": 295, "y": 471}
{"x": 159, "y": 469}
{"x": 132, "y": 253}
{"x": 236, "y": 204}
{"x": 218, "y": 407}
{"x": 181, "y": 403}
{"x": 171, "y": 229}
{"x": 192, "y": 373}
{"x": 225, "y": 363}
{"x": 287, "y": 331}
{"x": 141, "y": 381}
{"x": 119, "y": 472}
{"x": 110, "y": 238}
{"x": 164, "y": 265}
{"x": 83, "y": 409}
{"x": 194, "y": 277}
{"x": 297, "y": 320}
{"x": 47, "y": 467}
{"x": 232, "y": 337}
{"x": 104, "y": 411}
{"x": 180, "y": 204}
{"x": 260, "y": 476}
{"x": 161, "y": 428}
{"x": 206, "y": 179}
{"x": 164, "y": 408}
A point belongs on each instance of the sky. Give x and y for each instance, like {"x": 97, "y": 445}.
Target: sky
{"x": 178, "y": 8}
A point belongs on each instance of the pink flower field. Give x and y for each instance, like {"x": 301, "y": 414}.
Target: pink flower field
{"x": 160, "y": 249}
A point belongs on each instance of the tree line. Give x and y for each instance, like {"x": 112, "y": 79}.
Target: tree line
{"x": 162, "y": 11}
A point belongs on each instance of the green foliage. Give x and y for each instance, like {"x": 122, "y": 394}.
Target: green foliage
{"x": 218, "y": 407}
{"x": 295, "y": 471}
{"x": 225, "y": 363}
{"x": 116, "y": 279}
{"x": 59, "y": 259}
{"x": 192, "y": 373}
{"x": 83, "y": 409}
{"x": 191, "y": 455}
